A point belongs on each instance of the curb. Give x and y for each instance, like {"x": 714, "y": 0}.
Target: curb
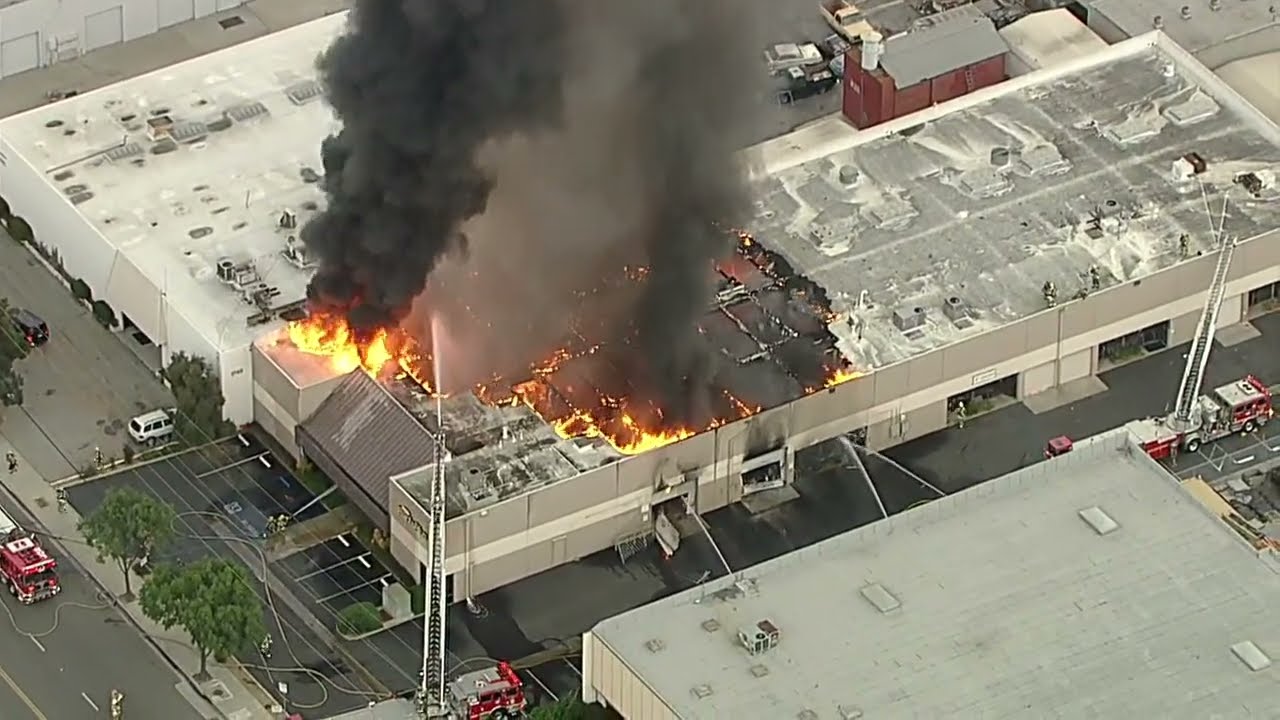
{"x": 385, "y": 627}
{"x": 76, "y": 479}
{"x": 115, "y": 602}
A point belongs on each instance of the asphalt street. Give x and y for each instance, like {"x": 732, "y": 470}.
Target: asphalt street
{"x": 66, "y": 654}
{"x": 79, "y": 389}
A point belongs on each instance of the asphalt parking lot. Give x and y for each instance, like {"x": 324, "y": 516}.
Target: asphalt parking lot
{"x": 237, "y": 485}
{"x": 338, "y": 573}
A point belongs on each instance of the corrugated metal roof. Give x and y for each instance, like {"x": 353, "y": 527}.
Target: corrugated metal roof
{"x": 947, "y": 45}
{"x": 367, "y": 434}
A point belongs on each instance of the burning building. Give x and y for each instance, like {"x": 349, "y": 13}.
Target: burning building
{"x": 912, "y": 255}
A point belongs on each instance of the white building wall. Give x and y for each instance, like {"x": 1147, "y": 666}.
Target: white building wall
{"x": 607, "y": 680}
{"x": 235, "y": 366}
{"x": 65, "y": 29}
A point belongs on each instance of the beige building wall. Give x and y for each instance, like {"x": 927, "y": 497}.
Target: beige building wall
{"x": 606, "y": 679}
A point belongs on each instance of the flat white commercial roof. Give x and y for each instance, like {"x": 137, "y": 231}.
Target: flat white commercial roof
{"x": 974, "y": 204}
{"x": 245, "y": 150}
{"x": 1092, "y": 586}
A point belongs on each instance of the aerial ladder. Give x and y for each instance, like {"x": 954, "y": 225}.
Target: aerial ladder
{"x": 1198, "y": 355}
{"x": 432, "y": 701}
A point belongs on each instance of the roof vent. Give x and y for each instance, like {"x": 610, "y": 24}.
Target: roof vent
{"x": 711, "y": 625}
{"x": 189, "y": 132}
{"x": 849, "y": 712}
{"x": 159, "y": 126}
{"x": 655, "y": 645}
{"x": 164, "y": 145}
{"x": 955, "y": 308}
{"x": 1185, "y": 12}
{"x": 759, "y": 671}
{"x": 81, "y": 197}
{"x": 759, "y": 638}
{"x": 1099, "y": 520}
{"x": 806, "y": 714}
{"x": 124, "y": 152}
{"x": 881, "y": 598}
{"x": 247, "y": 111}
{"x": 1157, "y": 22}
{"x": 1251, "y": 655}
{"x": 1215, "y": 5}
{"x": 702, "y": 692}
{"x": 908, "y": 319}
{"x": 303, "y": 92}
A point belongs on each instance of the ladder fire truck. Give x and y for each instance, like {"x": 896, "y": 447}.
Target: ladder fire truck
{"x": 490, "y": 693}
{"x": 1240, "y": 406}
{"x": 28, "y": 570}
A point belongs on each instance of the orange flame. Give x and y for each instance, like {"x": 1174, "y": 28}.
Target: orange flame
{"x": 630, "y": 426}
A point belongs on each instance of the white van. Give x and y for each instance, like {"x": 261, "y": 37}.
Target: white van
{"x": 151, "y": 428}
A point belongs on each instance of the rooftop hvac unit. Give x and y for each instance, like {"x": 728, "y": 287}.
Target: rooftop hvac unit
{"x": 288, "y": 220}
{"x": 159, "y": 127}
{"x": 759, "y": 638}
{"x": 295, "y": 251}
{"x": 872, "y": 50}
{"x": 226, "y": 270}
{"x": 245, "y": 276}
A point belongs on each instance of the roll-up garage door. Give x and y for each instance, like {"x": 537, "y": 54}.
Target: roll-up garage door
{"x": 103, "y": 28}
{"x": 19, "y": 54}
{"x": 172, "y": 12}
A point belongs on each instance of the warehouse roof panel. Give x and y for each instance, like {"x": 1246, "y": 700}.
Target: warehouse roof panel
{"x": 1200, "y": 28}
{"x": 940, "y": 48}
{"x": 984, "y": 199}
{"x": 1092, "y": 585}
{"x": 194, "y": 163}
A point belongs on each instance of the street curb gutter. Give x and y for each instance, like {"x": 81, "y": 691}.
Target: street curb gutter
{"x": 115, "y": 602}
{"x": 78, "y": 479}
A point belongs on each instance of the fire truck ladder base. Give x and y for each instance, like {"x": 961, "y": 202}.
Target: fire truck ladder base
{"x": 1198, "y": 355}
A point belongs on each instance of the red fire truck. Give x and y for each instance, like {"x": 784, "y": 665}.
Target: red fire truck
{"x": 27, "y": 568}
{"x": 494, "y": 693}
{"x": 1240, "y": 406}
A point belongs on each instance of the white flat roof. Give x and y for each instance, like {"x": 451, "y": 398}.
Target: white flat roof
{"x": 983, "y": 199}
{"x": 221, "y": 192}
{"x": 999, "y": 601}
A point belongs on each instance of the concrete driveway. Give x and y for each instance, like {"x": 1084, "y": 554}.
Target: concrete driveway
{"x": 82, "y": 387}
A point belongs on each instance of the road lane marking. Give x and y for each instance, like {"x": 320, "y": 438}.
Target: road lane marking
{"x": 37, "y": 642}
{"x": 22, "y": 695}
{"x": 92, "y": 704}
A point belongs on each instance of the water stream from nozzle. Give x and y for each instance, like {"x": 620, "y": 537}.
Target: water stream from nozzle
{"x": 435, "y": 370}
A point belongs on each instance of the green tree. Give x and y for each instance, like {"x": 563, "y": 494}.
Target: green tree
{"x": 80, "y": 290}
{"x": 566, "y": 708}
{"x": 19, "y": 229}
{"x": 212, "y": 600}
{"x": 128, "y": 526}
{"x": 198, "y": 395}
{"x": 13, "y": 347}
{"x": 359, "y": 618}
{"x": 105, "y": 316}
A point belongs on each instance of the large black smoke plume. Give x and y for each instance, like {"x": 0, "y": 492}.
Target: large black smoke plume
{"x": 612, "y": 148}
{"x": 419, "y": 85}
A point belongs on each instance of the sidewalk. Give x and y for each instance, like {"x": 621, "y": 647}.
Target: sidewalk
{"x": 231, "y": 691}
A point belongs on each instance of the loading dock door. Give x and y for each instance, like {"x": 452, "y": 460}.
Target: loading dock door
{"x": 103, "y": 28}
{"x": 19, "y": 54}
{"x": 172, "y": 12}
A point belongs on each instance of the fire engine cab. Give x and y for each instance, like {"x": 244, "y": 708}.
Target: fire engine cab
{"x": 28, "y": 570}
{"x": 494, "y": 693}
{"x": 1242, "y": 406}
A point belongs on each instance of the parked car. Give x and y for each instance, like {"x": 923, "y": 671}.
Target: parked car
{"x": 784, "y": 56}
{"x": 29, "y": 326}
{"x": 152, "y": 428}
{"x": 805, "y": 83}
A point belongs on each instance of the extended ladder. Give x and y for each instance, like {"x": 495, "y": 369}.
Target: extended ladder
{"x": 1198, "y": 356}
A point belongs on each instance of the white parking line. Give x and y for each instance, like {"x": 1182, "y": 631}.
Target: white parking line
{"x": 327, "y": 568}
{"x": 343, "y": 539}
{"x": 573, "y": 667}
{"x": 37, "y": 642}
{"x": 92, "y": 704}
{"x": 351, "y": 590}
{"x": 235, "y": 464}
{"x": 554, "y": 697}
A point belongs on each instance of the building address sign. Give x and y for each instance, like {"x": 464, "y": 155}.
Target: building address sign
{"x": 406, "y": 517}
